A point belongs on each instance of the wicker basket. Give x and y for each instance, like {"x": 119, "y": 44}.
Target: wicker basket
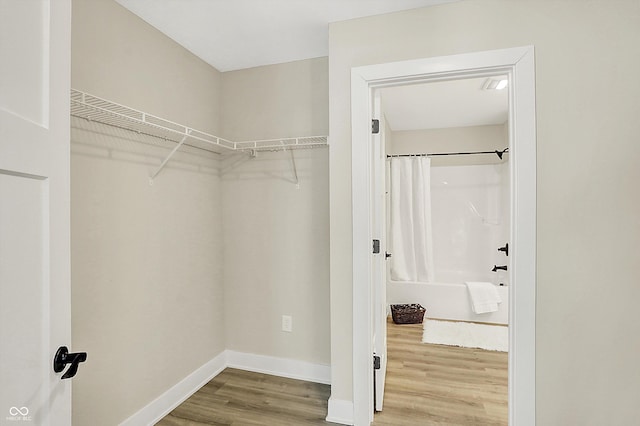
{"x": 408, "y": 314}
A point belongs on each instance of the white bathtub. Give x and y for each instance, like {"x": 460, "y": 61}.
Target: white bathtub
{"x": 446, "y": 301}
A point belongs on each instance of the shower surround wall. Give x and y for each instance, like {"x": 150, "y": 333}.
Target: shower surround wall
{"x": 469, "y": 222}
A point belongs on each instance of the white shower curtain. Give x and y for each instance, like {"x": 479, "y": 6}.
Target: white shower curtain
{"x": 411, "y": 237}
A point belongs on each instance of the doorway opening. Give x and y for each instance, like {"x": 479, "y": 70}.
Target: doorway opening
{"x": 446, "y": 191}
{"x": 518, "y": 67}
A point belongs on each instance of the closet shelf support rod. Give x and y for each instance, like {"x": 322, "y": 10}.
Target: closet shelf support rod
{"x": 295, "y": 169}
{"x": 173, "y": 151}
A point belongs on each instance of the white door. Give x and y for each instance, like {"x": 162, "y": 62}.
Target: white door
{"x": 34, "y": 210}
{"x": 378, "y": 224}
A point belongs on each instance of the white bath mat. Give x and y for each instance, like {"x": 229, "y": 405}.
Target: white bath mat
{"x": 467, "y": 335}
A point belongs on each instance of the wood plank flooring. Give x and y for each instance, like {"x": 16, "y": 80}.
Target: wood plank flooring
{"x": 237, "y": 397}
{"x": 426, "y": 385}
{"x": 441, "y": 385}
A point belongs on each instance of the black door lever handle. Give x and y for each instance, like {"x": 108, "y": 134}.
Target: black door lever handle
{"x": 63, "y": 357}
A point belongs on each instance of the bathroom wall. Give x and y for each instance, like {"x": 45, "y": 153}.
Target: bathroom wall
{"x": 471, "y": 138}
{"x": 276, "y": 227}
{"x": 587, "y": 174}
{"x": 147, "y": 293}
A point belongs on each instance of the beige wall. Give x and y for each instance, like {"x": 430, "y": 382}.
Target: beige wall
{"x": 276, "y": 101}
{"x": 588, "y": 202}
{"x": 458, "y": 139}
{"x": 118, "y": 56}
{"x": 149, "y": 262}
{"x": 276, "y": 236}
{"x": 147, "y": 292}
{"x": 276, "y": 249}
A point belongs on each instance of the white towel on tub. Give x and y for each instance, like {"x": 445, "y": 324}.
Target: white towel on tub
{"x": 484, "y": 297}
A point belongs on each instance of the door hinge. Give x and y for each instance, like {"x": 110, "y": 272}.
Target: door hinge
{"x": 375, "y": 126}
{"x": 376, "y": 362}
{"x": 376, "y": 246}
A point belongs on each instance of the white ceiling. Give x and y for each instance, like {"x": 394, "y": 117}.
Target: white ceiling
{"x": 456, "y": 103}
{"x": 237, "y": 34}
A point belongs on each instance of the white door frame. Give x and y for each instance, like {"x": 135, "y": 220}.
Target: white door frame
{"x": 379, "y": 262}
{"x": 518, "y": 64}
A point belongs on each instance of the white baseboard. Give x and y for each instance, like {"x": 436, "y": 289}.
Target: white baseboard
{"x": 282, "y": 367}
{"x": 340, "y": 411}
{"x": 176, "y": 395}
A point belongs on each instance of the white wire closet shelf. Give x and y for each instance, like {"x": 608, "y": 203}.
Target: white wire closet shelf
{"x": 94, "y": 108}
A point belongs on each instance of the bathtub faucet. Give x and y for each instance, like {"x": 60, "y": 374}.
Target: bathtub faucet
{"x": 495, "y": 268}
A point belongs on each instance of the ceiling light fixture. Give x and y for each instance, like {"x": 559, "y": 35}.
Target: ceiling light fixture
{"x": 495, "y": 84}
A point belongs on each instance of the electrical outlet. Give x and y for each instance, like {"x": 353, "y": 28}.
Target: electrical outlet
{"x": 287, "y": 323}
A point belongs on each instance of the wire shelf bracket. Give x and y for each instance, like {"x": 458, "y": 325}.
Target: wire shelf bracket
{"x": 173, "y": 151}
{"x": 294, "y": 169}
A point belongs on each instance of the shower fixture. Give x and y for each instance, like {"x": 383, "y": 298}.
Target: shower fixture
{"x": 495, "y": 268}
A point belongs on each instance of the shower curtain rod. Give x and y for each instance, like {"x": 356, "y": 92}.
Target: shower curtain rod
{"x": 437, "y": 154}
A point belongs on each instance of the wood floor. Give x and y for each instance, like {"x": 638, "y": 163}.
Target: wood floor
{"x": 426, "y": 385}
{"x": 441, "y": 385}
{"x": 236, "y": 397}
